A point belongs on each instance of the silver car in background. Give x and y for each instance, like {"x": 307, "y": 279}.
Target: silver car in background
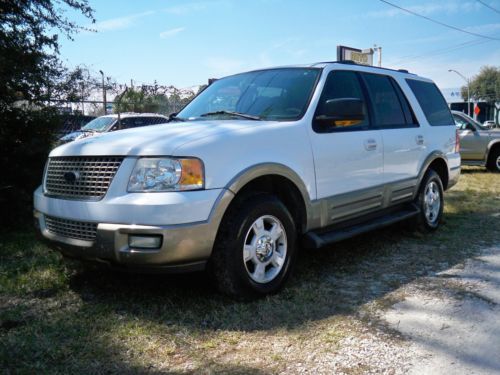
{"x": 479, "y": 145}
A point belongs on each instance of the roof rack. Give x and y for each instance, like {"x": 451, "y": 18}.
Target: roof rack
{"x": 350, "y": 62}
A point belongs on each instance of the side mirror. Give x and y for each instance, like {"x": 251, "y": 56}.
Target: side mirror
{"x": 342, "y": 112}
{"x": 470, "y": 127}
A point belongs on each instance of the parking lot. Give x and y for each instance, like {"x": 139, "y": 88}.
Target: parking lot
{"x": 348, "y": 308}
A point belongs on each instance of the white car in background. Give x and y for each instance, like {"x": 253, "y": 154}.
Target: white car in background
{"x": 115, "y": 122}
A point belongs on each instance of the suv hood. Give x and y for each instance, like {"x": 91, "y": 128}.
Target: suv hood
{"x": 152, "y": 140}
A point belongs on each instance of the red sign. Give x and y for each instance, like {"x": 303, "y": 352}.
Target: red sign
{"x": 476, "y": 109}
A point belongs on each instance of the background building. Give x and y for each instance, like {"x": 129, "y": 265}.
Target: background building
{"x": 487, "y": 111}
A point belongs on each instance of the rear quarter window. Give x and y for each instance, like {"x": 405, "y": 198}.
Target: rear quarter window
{"x": 432, "y": 103}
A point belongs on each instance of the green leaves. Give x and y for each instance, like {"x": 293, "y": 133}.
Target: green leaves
{"x": 485, "y": 86}
{"x": 29, "y": 46}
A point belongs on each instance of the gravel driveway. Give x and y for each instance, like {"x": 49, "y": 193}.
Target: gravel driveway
{"x": 452, "y": 320}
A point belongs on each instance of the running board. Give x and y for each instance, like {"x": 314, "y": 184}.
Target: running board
{"x": 315, "y": 240}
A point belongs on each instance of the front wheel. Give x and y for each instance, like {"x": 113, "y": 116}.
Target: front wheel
{"x": 255, "y": 248}
{"x": 430, "y": 201}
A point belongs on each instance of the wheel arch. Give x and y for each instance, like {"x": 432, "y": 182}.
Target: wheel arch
{"x": 282, "y": 181}
{"x": 438, "y": 162}
{"x": 493, "y": 145}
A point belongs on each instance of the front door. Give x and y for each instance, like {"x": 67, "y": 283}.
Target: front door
{"x": 348, "y": 159}
{"x": 473, "y": 141}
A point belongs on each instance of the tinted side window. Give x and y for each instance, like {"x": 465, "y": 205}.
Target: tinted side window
{"x": 148, "y": 121}
{"x": 386, "y": 103}
{"x": 140, "y": 121}
{"x": 459, "y": 122}
{"x": 432, "y": 102}
{"x": 408, "y": 112}
{"x": 133, "y": 122}
{"x": 127, "y": 123}
{"x": 462, "y": 123}
{"x": 338, "y": 85}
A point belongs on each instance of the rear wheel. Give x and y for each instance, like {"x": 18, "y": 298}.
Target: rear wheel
{"x": 255, "y": 248}
{"x": 430, "y": 201}
{"x": 494, "y": 160}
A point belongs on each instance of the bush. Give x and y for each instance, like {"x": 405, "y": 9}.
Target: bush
{"x": 26, "y": 137}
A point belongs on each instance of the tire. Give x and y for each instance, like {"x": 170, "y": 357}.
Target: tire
{"x": 494, "y": 160}
{"x": 247, "y": 231}
{"x": 430, "y": 201}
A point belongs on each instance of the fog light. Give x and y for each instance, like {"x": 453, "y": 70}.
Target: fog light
{"x": 145, "y": 242}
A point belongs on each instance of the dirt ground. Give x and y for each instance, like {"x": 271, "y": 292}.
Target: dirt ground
{"x": 391, "y": 301}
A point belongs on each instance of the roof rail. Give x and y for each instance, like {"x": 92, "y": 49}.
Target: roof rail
{"x": 350, "y": 62}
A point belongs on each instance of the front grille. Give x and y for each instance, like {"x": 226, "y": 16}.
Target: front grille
{"x": 80, "y": 177}
{"x": 80, "y": 230}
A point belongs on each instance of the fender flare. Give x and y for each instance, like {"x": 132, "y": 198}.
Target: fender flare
{"x": 265, "y": 169}
{"x": 434, "y": 155}
{"x": 492, "y": 143}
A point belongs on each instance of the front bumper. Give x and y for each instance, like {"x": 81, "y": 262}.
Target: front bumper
{"x": 184, "y": 247}
{"x": 454, "y": 163}
{"x": 454, "y": 177}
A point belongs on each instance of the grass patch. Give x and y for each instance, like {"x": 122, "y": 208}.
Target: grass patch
{"x": 64, "y": 321}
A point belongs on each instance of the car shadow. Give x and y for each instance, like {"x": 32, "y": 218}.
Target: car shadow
{"x": 339, "y": 279}
{"x": 472, "y": 170}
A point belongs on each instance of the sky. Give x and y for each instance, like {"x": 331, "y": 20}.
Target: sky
{"x": 183, "y": 43}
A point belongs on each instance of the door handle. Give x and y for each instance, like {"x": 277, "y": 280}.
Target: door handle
{"x": 370, "y": 144}
{"x": 419, "y": 139}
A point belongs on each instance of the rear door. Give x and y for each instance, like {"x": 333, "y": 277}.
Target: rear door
{"x": 403, "y": 139}
{"x": 348, "y": 159}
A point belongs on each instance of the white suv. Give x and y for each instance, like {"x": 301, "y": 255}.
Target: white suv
{"x": 255, "y": 165}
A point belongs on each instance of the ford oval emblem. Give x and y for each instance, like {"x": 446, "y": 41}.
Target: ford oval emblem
{"x": 71, "y": 176}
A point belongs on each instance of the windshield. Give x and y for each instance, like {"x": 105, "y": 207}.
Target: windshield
{"x": 274, "y": 94}
{"x": 99, "y": 124}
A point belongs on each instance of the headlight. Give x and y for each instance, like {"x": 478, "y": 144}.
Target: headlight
{"x": 166, "y": 174}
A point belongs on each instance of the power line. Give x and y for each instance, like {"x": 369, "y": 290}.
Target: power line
{"x": 436, "y": 51}
{"x": 489, "y": 6}
{"x": 439, "y": 22}
{"x": 441, "y": 51}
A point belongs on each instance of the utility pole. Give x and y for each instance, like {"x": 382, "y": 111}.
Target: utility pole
{"x": 468, "y": 88}
{"x": 83, "y": 98}
{"x": 103, "y": 92}
{"x": 379, "y": 52}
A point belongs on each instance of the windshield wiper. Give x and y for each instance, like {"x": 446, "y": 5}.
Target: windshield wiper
{"x": 237, "y": 114}
{"x": 175, "y": 118}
